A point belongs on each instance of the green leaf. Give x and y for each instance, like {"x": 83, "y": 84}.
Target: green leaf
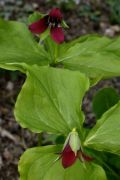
{"x": 105, "y": 136}
{"x": 17, "y": 46}
{"x": 114, "y": 161}
{"x": 50, "y": 100}
{"x": 104, "y": 100}
{"x": 66, "y": 46}
{"x": 44, "y": 35}
{"x": 39, "y": 164}
{"x": 35, "y": 17}
{"x": 64, "y": 24}
{"x": 56, "y": 51}
{"x": 93, "y": 55}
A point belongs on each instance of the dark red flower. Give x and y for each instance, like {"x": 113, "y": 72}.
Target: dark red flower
{"x": 72, "y": 150}
{"x": 52, "y": 20}
{"x": 68, "y": 156}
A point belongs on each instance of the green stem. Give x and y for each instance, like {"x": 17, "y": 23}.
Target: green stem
{"x": 56, "y": 53}
{"x": 40, "y": 135}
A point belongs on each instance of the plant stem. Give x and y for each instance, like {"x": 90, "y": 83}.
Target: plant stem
{"x": 40, "y": 139}
{"x": 56, "y": 53}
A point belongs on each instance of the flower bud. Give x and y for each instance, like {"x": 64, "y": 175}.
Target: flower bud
{"x": 74, "y": 141}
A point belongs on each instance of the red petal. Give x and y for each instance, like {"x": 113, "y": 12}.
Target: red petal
{"x": 67, "y": 148}
{"x": 68, "y": 157}
{"x": 39, "y": 26}
{"x": 56, "y": 13}
{"x": 85, "y": 157}
{"x": 57, "y": 34}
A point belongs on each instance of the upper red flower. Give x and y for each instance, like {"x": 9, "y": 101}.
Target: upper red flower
{"x": 52, "y": 20}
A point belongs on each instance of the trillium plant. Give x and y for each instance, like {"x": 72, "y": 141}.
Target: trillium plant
{"x": 58, "y": 75}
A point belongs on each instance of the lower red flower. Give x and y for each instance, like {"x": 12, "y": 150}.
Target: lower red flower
{"x": 68, "y": 156}
{"x": 72, "y": 151}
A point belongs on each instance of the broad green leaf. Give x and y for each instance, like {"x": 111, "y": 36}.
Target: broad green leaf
{"x": 93, "y": 55}
{"x": 65, "y": 46}
{"x": 82, "y": 46}
{"x": 17, "y": 46}
{"x": 50, "y": 100}
{"x": 104, "y": 100}
{"x": 105, "y": 136}
{"x": 39, "y": 164}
